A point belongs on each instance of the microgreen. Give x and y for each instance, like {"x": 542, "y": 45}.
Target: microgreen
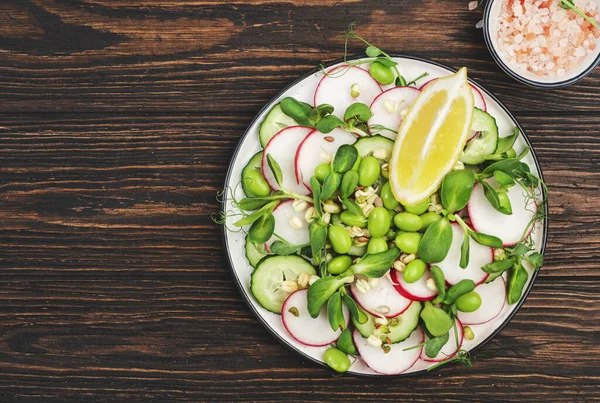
{"x": 335, "y": 315}
{"x": 377, "y": 264}
{"x": 570, "y": 5}
{"x": 436, "y": 241}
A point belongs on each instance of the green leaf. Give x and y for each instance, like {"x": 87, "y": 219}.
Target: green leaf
{"x": 358, "y": 110}
{"x": 400, "y": 82}
{"x": 491, "y": 194}
{"x": 320, "y": 292}
{"x": 345, "y": 342}
{"x": 505, "y": 207}
{"x": 330, "y": 185}
{"x": 335, "y": 315}
{"x": 492, "y": 277}
{"x": 440, "y": 282}
{"x": 517, "y": 278}
{"x": 464, "y": 251}
{"x": 317, "y": 234}
{"x": 345, "y": 158}
{"x": 267, "y": 208}
{"x": 506, "y": 143}
{"x": 456, "y": 189}
{"x": 386, "y": 62}
{"x": 519, "y": 249}
{"x": 523, "y": 154}
{"x": 503, "y": 178}
{"x": 276, "y": 169}
{"x": 348, "y": 186}
{"x": 436, "y": 241}
{"x": 357, "y": 313}
{"x": 372, "y": 51}
{"x": 499, "y": 266}
{"x": 507, "y": 166}
{"x": 436, "y": 320}
{"x": 282, "y": 248}
{"x": 299, "y": 111}
{"x": 458, "y": 290}
{"x": 434, "y": 346}
{"x": 377, "y": 264}
{"x": 536, "y": 259}
{"x": 315, "y": 186}
{"x": 262, "y": 229}
{"x": 328, "y": 123}
{"x": 353, "y": 207}
{"x": 486, "y": 240}
{"x": 254, "y": 203}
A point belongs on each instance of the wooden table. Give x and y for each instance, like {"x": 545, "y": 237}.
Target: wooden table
{"x": 117, "y": 123}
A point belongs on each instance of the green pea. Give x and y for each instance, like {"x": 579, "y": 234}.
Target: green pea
{"x": 256, "y": 184}
{"x": 321, "y": 171}
{"x": 389, "y": 201}
{"x": 428, "y": 218}
{"x": 408, "y": 242}
{"x": 377, "y": 245}
{"x": 339, "y": 239}
{"x": 414, "y": 270}
{"x": 408, "y": 222}
{"x": 368, "y": 172}
{"x": 469, "y": 302}
{"x": 379, "y": 222}
{"x": 339, "y": 264}
{"x": 352, "y": 219}
{"x": 418, "y": 208}
{"x": 383, "y": 74}
{"x": 336, "y": 359}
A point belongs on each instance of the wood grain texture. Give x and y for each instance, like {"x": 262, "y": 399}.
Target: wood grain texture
{"x": 117, "y": 123}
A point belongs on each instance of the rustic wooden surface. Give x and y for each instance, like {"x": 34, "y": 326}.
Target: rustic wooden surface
{"x": 118, "y": 119}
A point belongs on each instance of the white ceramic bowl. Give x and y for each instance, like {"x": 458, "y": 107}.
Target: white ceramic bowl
{"x": 491, "y": 19}
{"x": 303, "y": 89}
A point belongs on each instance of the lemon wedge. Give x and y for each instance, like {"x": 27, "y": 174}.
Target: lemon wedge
{"x": 431, "y": 138}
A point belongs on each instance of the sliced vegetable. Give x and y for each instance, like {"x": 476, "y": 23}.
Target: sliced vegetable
{"x": 274, "y": 122}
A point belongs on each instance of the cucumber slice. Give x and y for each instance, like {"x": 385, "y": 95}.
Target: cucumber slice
{"x": 275, "y": 121}
{"x": 407, "y": 323}
{"x": 485, "y": 142}
{"x": 254, "y": 163}
{"x": 266, "y": 280}
{"x": 253, "y": 254}
{"x": 367, "y": 145}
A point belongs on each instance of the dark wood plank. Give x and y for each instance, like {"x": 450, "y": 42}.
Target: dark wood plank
{"x": 117, "y": 123}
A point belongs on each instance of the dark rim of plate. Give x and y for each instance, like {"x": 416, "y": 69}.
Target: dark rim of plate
{"x": 521, "y": 79}
{"x": 248, "y": 297}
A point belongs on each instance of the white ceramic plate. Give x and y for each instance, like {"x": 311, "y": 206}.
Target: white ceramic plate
{"x": 303, "y": 90}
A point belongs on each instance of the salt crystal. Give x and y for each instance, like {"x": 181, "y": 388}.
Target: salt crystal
{"x": 564, "y": 42}
{"x": 472, "y": 5}
{"x": 479, "y": 25}
{"x": 518, "y": 38}
{"x": 560, "y": 72}
{"x": 550, "y": 66}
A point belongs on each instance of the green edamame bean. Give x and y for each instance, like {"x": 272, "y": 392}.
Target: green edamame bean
{"x": 428, "y": 218}
{"x": 379, "y": 222}
{"x": 352, "y": 220}
{"x": 408, "y": 242}
{"x": 469, "y": 302}
{"x": 389, "y": 201}
{"x": 339, "y": 264}
{"x": 336, "y": 359}
{"x": 339, "y": 239}
{"x": 414, "y": 270}
{"x": 368, "y": 172}
{"x": 408, "y": 222}
{"x": 321, "y": 171}
{"x": 376, "y": 245}
{"x": 383, "y": 74}
{"x": 256, "y": 184}
{"x": 418, "y": 208}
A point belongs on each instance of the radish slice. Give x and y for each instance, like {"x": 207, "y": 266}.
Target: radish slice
{"x": 395, "y": 361}
{"x": 282, "y": 147}
{"x": 334, "y": 88}
{"x": 479, "y": 256}
{"x": 450, "y": 348}
{"x": 383, "y": 299}
{"x": 308, "y": 155}
{"x": 493, "y": 298}
{"x": 477, "y": 97}
{"x": 283, "y": 214}
{"x": 509, "y": 228}
{"x": 388, "y": 108}
{"x": 417, "y": 291}
{"x": 315, "y": 332}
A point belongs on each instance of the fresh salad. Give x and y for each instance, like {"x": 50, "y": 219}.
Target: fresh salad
{"x": 385, "y": 223}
